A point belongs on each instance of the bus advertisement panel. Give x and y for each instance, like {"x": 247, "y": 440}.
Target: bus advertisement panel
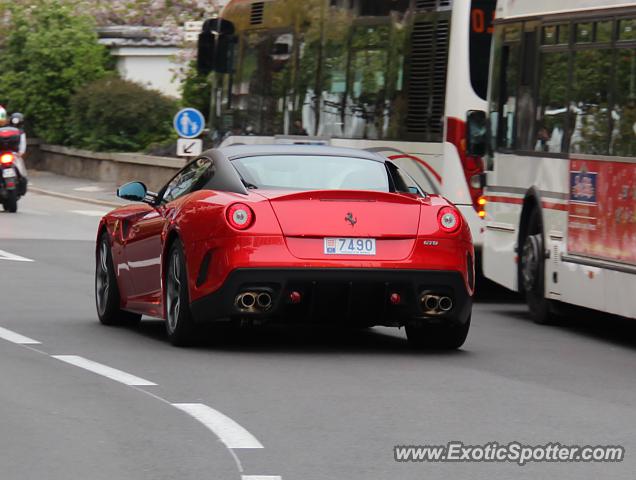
{"x": 602, "y": 212}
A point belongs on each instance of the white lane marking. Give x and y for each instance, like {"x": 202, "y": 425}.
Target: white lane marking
{"x": 104, "y": 370}
{"x": 17, "y": 338}
{"x": 13, "y": 258}
{"x": 232, "y": 434}
{"x": 90, "y": 213}
{"x": 261, "y": 477}
{"x": 89, "y": 188}
{"x": 229, "y": 432}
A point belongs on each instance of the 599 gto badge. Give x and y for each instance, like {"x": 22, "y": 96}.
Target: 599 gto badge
{"x": 431, "y": 243}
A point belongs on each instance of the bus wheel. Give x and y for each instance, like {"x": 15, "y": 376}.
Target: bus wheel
{"x": 532, "y": 271}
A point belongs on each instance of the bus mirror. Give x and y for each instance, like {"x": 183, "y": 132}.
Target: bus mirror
{"x": 476, "y": 133}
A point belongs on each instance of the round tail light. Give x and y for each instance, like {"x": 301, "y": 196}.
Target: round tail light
{"x": 6, "y": 159}
{"x": 240, "y": 216}
{"x": 449, "y": 219}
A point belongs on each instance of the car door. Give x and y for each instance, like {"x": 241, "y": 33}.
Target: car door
{"x": 144, "y": 244}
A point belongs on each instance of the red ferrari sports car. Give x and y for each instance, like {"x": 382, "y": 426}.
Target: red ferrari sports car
{"x": 256, "y": 234}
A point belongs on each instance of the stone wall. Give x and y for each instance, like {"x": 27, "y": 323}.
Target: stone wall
{"x": 118, "y": 168}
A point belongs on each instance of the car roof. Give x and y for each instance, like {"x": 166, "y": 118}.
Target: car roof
{"x": 238, "y": 151}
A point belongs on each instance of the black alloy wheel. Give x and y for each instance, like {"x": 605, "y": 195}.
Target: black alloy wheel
{"x": 179, "y": 321}
{"x": 107, "y": 297}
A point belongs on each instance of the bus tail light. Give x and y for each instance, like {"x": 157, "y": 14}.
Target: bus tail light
{"x": 481, "y": 206}
{"x": 476, "y": 181}
{"x": 473, "y": 166}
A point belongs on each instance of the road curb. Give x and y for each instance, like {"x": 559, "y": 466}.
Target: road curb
{"x": 74, "y": 197}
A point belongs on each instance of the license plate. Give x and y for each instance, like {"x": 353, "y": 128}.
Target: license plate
{"x": 8, "y": 172}
{"x": 349, "y": 246}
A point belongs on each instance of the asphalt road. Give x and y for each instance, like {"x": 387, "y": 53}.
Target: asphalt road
{"x": 322, "y": 404}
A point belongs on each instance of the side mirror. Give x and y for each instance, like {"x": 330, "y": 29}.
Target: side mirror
{"x": 414, "y": 190}
{"x": 134, "y": 191}
{"x": 16, "y": 120}
{"x": 476, "y": 133}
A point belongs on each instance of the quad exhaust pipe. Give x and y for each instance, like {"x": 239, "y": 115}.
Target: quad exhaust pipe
{"x": 246, "y": 300}
{"x": 433, "y": 304}
{"x": 253, "y": 301}
{"x": 430, "y": 302}
{"x": 445, "y": 304}
{"x": 264, "y": 300}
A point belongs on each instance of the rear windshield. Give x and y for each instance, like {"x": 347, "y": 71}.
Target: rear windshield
{"x": 304, "y": 172}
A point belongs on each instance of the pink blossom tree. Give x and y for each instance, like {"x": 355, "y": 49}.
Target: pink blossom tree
{"x": 153, "y": 13}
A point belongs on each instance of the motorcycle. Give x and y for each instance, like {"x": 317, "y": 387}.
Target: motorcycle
{"x": 12, "y": 185}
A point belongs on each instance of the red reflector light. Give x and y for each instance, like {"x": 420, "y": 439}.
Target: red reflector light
{"x": 6, "y": 158}
{"x": 295, "y": 298}
{"x": 449, "y": 219}
{"x": 395, "y": 299}
{"x": 240, "y": 216}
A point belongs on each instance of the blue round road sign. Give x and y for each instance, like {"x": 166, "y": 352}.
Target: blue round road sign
{"x": 189, "y": 123}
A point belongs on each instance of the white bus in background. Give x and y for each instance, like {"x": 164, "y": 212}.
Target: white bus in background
{"x": 394, "y": 76}
{"x": 561, "y": 185}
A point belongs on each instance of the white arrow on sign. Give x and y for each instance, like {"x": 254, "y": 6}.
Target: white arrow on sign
{"x": 13, "y": 258}
{"x": 189, "y": 147}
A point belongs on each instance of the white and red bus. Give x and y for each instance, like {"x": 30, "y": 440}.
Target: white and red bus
{"x": 561, "y": 185}
{"x": 393, "y": 76}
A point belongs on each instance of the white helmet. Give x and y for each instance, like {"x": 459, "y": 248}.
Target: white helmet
{"x": 3, "y": 117}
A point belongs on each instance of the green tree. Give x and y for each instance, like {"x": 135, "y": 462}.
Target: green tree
{"x": 49, "y": 53}
{"x": 112, "y": 114}
{"x": 195, "y": 90}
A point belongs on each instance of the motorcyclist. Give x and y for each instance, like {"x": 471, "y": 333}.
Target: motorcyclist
{"x": 17, "y": 121}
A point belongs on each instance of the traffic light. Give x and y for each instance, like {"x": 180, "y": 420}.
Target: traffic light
{"x": 215, "y": 46}
{"x": 205, "y": 47}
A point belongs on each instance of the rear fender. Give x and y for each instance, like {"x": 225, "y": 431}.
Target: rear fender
{"x": 429, "y": 223}
{"x": 202, "y": 226}
{"x": 432, "y": 237}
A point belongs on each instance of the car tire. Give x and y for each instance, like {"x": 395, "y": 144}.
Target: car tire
{"x": 11, "y": 202}
{"x": 438, "y": 337}
{"x": 107, "y": 297}
{"x": 532, "y": 271}
{"x": 179, "y": 320}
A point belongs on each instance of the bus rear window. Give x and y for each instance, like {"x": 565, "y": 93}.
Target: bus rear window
{"x": 482, "y": 14}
